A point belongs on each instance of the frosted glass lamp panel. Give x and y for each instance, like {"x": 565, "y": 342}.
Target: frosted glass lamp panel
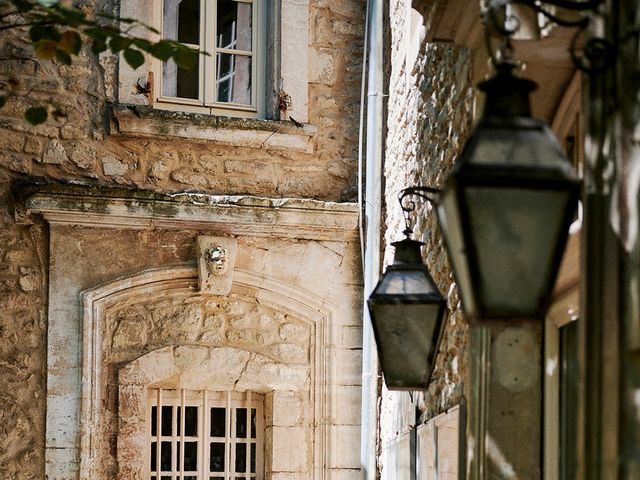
{"x": 515, "y": 233}
{"x": 517, "y": 147}
{"x": 449, "y": 221}
{"x": 407, "y": 344}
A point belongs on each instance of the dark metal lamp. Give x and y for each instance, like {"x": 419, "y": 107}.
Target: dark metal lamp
{"x": 407, "y": 313}
{"x": 506, "y": 208}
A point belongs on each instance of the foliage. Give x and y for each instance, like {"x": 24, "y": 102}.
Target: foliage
{"x": 59, "y": 32}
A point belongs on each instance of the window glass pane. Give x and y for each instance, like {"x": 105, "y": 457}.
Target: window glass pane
{"x": 233, "y": 78}
{"x": 154, "y": 420}
{"x": 178, "y": 82}
{"x": 167, "y": 420}
{"x": 154, "y": 454}
{"x": 165, "y": 456}
{"x": 216, "y": 457}
{"x": 165, "y": 477}
{"x": 253, "y": 423}
{"x": 181, "y": 21}
{"x": 190, "y": 477}
{"x": 241, "y": 423}
{"x": 218, "y": 422}
{"x": 241, "y": 457}
{"x": 216, "y": 478}
{"x": 234, "y": 25}
{"x": 190, "y": 456}
{"x": 191, "y": 421}
{"x": 252, "y": 466}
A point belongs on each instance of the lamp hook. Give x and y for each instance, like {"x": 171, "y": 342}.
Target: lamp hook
{"x": 427, "y": 193}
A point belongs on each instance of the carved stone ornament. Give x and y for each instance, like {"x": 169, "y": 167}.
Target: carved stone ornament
{"x": 216, "y": 258}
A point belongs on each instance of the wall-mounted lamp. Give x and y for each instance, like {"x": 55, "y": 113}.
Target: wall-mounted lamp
{"x": 506, "y": 208}
{"x": 407, "y": 311}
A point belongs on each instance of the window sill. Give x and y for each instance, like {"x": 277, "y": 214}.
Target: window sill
{"x": 141, "y": 121}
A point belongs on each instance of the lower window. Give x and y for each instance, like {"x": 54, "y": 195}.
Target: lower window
{"x": 219, "y": 439}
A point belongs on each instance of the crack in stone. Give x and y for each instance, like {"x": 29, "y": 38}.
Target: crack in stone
{"x": 244, "y": 369}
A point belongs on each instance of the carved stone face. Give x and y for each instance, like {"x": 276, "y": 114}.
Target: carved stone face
{"x": 217, "y": 260}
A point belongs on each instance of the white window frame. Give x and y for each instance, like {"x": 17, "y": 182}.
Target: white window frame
{"x": 229, "y": 400}
{"x": 206, "y": 103}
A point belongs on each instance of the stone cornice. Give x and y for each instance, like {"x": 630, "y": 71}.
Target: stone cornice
{"x": 234, "y": 215}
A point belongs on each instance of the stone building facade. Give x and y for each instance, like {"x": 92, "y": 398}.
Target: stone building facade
{"x": 103, "y": 279}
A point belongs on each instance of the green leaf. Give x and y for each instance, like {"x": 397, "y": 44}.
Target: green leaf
{"x": 142, "y": 44}
{"x": 118, "y": 43}
{"x": 135, "y": 58}
{"x": 47, "y": 3}
{"x": 43, "y": 32}
{"x": 3, "y": 101}
{"x": 186, "y": 58}
{"x": 70, "y": 42}
{"x": 98, "y": 45}
{"x": 45, "y": 49}
{"x": 36, "y": 115}
{"x": 95, "y": 32}
{"x": 162, "y": 50}
{"x": 63, "y": 57}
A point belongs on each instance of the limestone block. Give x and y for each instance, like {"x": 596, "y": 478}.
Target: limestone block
{"x": 345, "y": 404}
{"x": 269, "y": 375}
{"x": 322, "y": 66}
{"x": 346, "y": 366}
{"x": 291, "y": 449}
{"x": 216, "y": 261}
{"x": 54, "y": 153}
{"x": 344, "y": 446}
{"x": 287, "y": 409}
{"x": 149, "y": 368}
{"x": 113, "y": 167}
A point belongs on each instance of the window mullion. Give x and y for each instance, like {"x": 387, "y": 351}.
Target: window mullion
{"x": 247, "y": 470}
{"x": 158, "y": 429}
{"x": 210, "y": 46}
{"x": 228, "y": 441}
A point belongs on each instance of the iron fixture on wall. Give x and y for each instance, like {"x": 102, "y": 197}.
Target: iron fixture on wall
{"x": 407, "y": 310}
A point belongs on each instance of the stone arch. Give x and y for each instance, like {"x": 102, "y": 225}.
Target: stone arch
{"x": 181, "y": 280}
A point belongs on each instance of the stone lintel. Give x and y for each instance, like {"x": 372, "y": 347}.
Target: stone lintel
{"x": 228, "y": 215}
{"x": 141, "y": 121}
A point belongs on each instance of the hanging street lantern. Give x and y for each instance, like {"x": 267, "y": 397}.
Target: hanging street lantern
{"x": 407, "y": 311}
{"x": 506, "y": 207}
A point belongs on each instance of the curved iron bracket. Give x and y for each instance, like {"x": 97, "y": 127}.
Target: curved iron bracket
{"x": 426, "y": 193}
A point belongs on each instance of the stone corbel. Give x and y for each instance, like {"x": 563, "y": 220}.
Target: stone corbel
{"x": 216, "y": 260}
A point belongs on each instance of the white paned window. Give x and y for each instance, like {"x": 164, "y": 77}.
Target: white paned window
{"x": 221, "y": 437}
{"x": 229, "y": 78}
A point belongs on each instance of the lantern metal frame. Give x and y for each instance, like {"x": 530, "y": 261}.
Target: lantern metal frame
{"x": 408, "y": 259}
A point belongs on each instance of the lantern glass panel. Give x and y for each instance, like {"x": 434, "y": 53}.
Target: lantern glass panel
{"x": 515, "y": 232}
{"x": 405, "y": 282}
{"x": 449, "y": 220}
{"x": 529, "y": 144}
{"x": 407, "y": 337}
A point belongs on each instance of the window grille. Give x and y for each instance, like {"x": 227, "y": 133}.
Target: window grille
{"x": 220, "y": 438}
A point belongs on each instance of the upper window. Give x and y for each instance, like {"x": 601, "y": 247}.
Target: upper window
{"x": 221, "y": 435}
{"x": 227, "y": 78}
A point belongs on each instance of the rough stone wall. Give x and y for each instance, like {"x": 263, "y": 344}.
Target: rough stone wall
{"x": 429, "y": 116}
{"x": 78, "y": 148}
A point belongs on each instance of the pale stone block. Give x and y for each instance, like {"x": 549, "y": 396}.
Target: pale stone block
{"x": 62, "y": 421}
{"x": 344, "y": 446}
{"x": 61, "y": 463}
{"x": 290, "y": 449}
{"x": 274, "y": 376}
{"x": 345, "y": 405}
{"x": 345, "y": 474}
{"x": 288, "y": 409}
{"x": 54, "y": 153}
{"x": 346, "y": 366}
{"x": 152, "y": 367}
{"x": 111, "y": 166}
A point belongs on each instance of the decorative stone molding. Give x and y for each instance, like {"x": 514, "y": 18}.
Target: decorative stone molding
{"x": 260, "y": 371}
{"x": 265, "y": 217}
{"x": 216, "y": 258}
